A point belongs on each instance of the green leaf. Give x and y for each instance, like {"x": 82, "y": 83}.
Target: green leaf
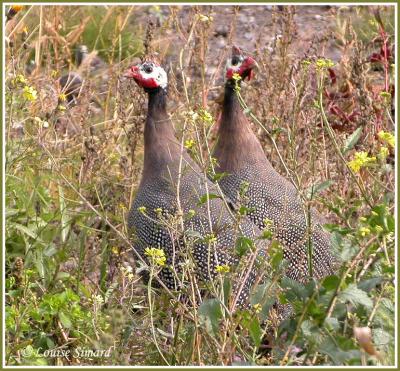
{"x": 332, "y": 324}
{"x": 243, "y": 245}
{"x": 276, "y": 254}
{"x": 255, "y": 331}
{"x": 63, "y": 275}
{"x": 370, "y": 283}
{"x": 194, "y": 234}
{"x": 203, "y": 199}
{"x": 64, "y": 319}
{"x": 227, "y": 287}
{"x": 210, "y": 314}
{"x": 339, "y": 357}
{"x": 355, "y": 296}
{"x": 317, "y": 188}
{"x": 218, "y": 176}
{"x": 65, "y": 218}
{"x": 381, "y": 337}
{"x": 26, "y": 230}
{"x": 352, "y": 140}
{"x": 296, "y": 289}
{"x": 330, "y": 283}
{"x": 252, "y": 324}
{"x": 262, "y": 295}
{"x": 50, "y": 250}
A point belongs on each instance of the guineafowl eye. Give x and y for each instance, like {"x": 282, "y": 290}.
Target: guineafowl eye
{"x": 148, "y": 69}
{"x": 235, "y": 61}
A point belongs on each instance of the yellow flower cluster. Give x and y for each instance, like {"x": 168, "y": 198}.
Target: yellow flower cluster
{"x": 210, "y": 238}
{"x": 364, "y": 231}
{"x": 157, "y": 256}
{"x": 62, "y": 97}
{"x": 323, "y": 63}
{"x": 189, "y": 143}
{"x": 222, "y": 268}
{"x": 305, "y": 63}
{"x": 141, "y": 209}
{"x": 257, "y": 307}
{"x": 206, "y": 116}
{"x": 205, "y": 18}
{"x": 30, "y": 93}
{"x": 236, "y": 77}
{"x": 20, "y": 79}
{"x": 360, "y": 160}
{"x": 387, "y": 138}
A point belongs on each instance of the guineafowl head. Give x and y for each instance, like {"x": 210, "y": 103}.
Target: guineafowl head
{"x": 239, "y": 64}
{"x": 149, "y": 75}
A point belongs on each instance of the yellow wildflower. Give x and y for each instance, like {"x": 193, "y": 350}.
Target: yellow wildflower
{"x": 189, "y": 143}
{"x": 236, "y": 76}
{"x": 62, "y": 97}
{"x": 378, "y": 229}
{"x": 257, "y": 307}
{"x": 157, "y": 256}
{"x": 191, "y": 213}
{"x": 20, "y": 79}
{"x": 158, "y": 211}
{"x": 222, "y": 268}
{"x": 268, "y": 222}
{"x": 205, "y": 18}
{"x": 211, "y": 238}
{"x": 206, "y": 116}
{"x": 387, "y": 138}
{"x": 142, "y": 209}
{"x": 360, "y": 160}
{"x": 114, "y": 250}
{"x": 323, "y": 63}
{"x": 364, "y": 231}
{"x": 30, "y": 93}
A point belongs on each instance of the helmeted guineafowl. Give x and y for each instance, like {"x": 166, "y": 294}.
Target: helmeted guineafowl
{"x": 169, "y": 178}
{"x": 270, "y": 196}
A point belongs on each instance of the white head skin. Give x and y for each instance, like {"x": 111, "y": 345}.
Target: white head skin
{"x": 239, "y": 64}
{"x": 149, "y": 75}
{"x": 233, "y": 65}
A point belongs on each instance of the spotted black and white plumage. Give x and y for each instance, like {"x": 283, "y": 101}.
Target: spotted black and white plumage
{"x": 270, "y": 196}
{"x": 158, "y": 190}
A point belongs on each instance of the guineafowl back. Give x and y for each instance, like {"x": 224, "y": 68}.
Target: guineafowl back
{"x": 269, "y": 195}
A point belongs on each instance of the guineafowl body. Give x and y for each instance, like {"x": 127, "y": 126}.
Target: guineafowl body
{"x": 170, "y": 182}
{"x": 270, "y": 196}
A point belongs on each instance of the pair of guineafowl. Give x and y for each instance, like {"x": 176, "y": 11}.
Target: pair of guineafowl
{"x": 173, "y": 184}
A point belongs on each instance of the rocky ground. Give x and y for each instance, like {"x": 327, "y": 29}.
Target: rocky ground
{"x": 257, "y": 25}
